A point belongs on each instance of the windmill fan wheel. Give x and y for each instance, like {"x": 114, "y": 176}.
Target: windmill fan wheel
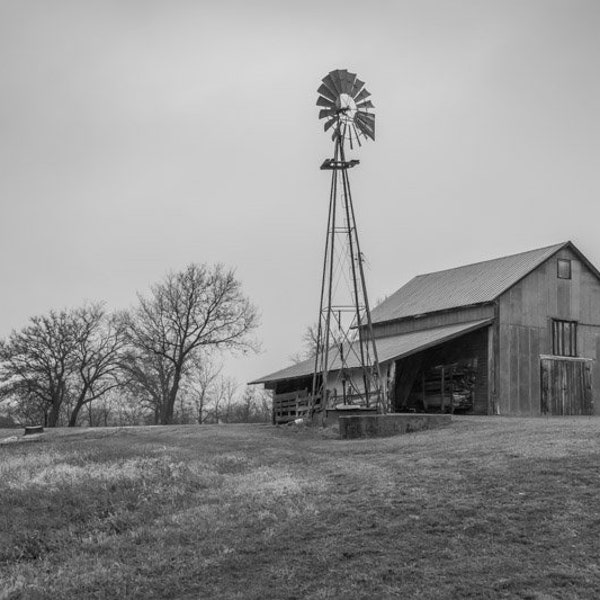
{"x": 345, "y": 107}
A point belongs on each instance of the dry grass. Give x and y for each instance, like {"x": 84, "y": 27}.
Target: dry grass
{"x": 487, "y": 508}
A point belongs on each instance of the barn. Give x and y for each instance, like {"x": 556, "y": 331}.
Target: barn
{"x": 516, "y": 335}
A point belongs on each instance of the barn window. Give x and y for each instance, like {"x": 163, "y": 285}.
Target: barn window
{"x": 564, "y": 338}
{"x": 563, "y": 268}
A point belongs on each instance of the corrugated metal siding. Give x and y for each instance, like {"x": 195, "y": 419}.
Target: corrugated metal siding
{"x": 461, "y": 286}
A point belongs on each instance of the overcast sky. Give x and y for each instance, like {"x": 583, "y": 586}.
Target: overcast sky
{"x": 137, "y": 136}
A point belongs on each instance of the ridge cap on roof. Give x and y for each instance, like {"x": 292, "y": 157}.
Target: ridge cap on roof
{"x": 489, "y": 260}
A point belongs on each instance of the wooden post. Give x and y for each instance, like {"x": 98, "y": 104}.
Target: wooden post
{"x": 492, "y": 348}
{"x": 443, "y": 385}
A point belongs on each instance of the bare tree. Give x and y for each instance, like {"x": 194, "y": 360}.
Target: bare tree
{"x": 128, "y": 410}
{"x": 60, "y": 362}
{"x": 223, "y": 399}
{"x": 245, "y": 406}
{"x": 309, "y": 345}
{"x": 36, "y": 363}
{"x": 191, "y": 310}
{"x": 98, "y": 351}
{"x": 254, "y": 406}
{"x": 201, "y": 385}
{"x": 265, "y": 404}
{"x": 148, "y": 379}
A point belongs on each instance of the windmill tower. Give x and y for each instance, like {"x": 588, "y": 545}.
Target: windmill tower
{"x": 346, "y": 369}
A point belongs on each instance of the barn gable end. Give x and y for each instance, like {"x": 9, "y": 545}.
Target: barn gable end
{"x": 524, "y": 329}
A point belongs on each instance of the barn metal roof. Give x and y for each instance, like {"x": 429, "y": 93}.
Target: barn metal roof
{"x": 388, "y": 348}
{"x": 461, "y": 286}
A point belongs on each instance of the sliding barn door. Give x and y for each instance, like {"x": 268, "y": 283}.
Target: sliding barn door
{"x": 566, "y": 386}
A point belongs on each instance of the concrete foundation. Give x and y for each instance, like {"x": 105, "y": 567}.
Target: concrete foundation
{"x": 332, "y": 415}
{"x": 366, "y": 426}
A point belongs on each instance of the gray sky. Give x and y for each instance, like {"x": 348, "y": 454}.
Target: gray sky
{"x": 138, "y": 136}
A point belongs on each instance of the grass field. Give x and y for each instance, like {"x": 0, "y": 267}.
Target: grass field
{"x": 487, "y": 508}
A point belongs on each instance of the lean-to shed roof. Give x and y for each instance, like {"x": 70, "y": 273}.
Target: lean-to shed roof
{"x": 388, "y": 348}
{"x": 461, "y": 286}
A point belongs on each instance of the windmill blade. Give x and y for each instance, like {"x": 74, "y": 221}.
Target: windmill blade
{"x": 350, "y": 79}
{"x": 353, "y": 136}
{"x": 366, "y": 124}
{"x": 365, "y": 104}
{"x": 332, "y": 81}
{"x": 338, "y": 77}
{"x": 330, "y": 85}
{"x": 326, "y": 91}
{"x": 358, "y": 85}
{"x": 357, "y": 137}
{"x": 362, "y": 96}
{"x": 347, "y": 81}
{"x": 342, "y": 74}
{"x": 366, "y": 131}
{"x": 330, "y": 123}
{"x": 323, "y": 101}
{"x": 327, "y": 112}
{"x": 365, "y": 119}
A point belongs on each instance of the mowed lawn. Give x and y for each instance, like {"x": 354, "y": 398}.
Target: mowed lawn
{"x": 486, "y": 508}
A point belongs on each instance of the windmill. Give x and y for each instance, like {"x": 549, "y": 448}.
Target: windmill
{"x": 346, "y": 368}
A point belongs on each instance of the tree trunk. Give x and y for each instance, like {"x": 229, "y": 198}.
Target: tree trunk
{"x": 54, "y": 414}
{"x": 200, "y": 407}
{"x": 78, "y": 405}
{"x": 169, "y": 405}
{"x": 74, "y": 415}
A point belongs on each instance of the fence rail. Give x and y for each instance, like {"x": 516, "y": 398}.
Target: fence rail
{"x": 294, "y": 405}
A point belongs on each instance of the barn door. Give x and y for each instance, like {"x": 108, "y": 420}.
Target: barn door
{"x": 566, "y": 386}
